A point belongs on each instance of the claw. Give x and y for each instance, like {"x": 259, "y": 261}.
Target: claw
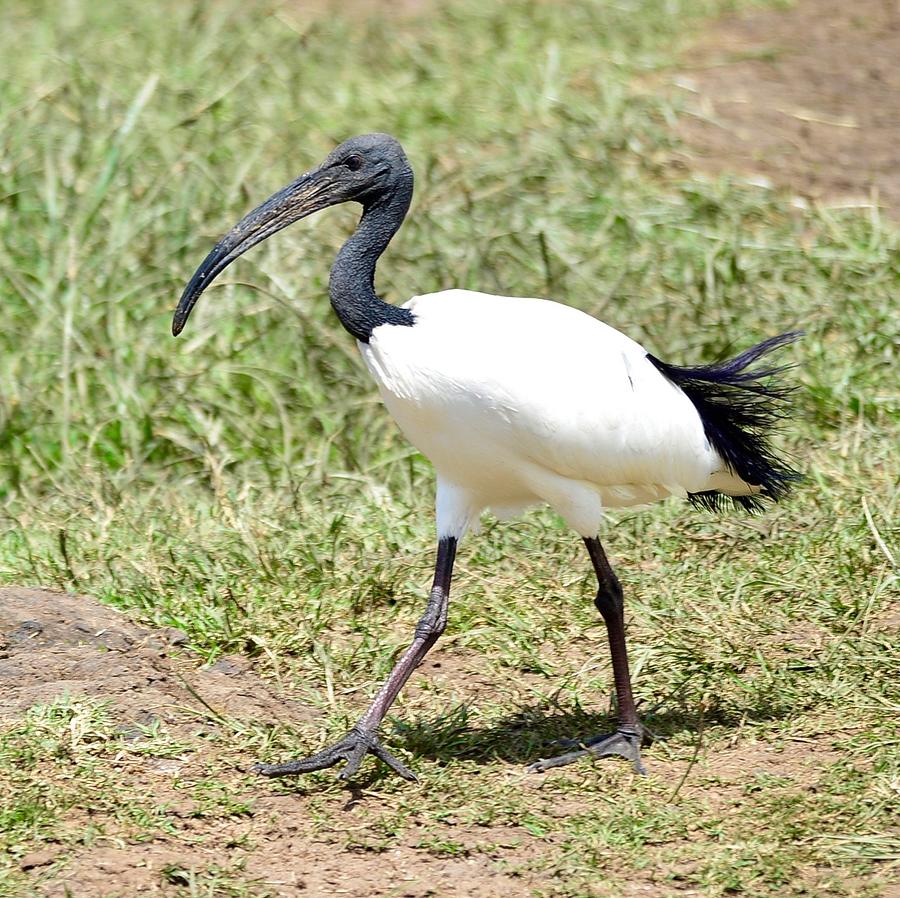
{"x": 352, "y": 749}
{"x": 383, "y": 754}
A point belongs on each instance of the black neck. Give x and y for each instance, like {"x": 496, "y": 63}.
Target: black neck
{"x": 352, "y": 283}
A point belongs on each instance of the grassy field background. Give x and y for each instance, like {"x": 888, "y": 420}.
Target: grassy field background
{"x": 244, "y": 484}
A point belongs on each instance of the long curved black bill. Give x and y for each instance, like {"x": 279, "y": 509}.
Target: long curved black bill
{"x": 309, "y": 193}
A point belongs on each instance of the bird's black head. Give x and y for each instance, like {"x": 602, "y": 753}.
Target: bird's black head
{"x": 368, "y": 169}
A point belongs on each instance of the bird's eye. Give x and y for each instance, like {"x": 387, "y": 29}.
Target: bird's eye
{"x": 354, "y": 162}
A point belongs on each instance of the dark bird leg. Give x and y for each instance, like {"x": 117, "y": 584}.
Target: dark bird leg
{"x": 626, "y": 740}
{"x": 363, "y": 738}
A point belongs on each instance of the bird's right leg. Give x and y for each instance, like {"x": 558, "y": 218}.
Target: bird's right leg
{"x": 627, "y": 739}
{"x": 363, "y": 738}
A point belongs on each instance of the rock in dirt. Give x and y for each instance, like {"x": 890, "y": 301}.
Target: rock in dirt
{"x": 39, "y": 858}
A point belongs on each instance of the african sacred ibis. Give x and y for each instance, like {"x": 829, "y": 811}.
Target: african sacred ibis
{"x": 518, "y": 401}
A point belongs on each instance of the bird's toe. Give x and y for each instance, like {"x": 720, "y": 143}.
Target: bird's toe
{"x": 623, "y": 744}
{"x": 352, "y": 749}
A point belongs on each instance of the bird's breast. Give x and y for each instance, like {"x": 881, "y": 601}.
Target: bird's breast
{"x": 457, "y": 414}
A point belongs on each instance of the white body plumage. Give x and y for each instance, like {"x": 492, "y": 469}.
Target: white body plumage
{"x": 518, "y": 401}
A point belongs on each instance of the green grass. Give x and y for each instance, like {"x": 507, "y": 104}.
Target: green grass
{"x": 244, "y": 483}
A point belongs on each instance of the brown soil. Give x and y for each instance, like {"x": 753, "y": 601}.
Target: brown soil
{"x": 53, "y": 644}
{"x": 806, "y": 99}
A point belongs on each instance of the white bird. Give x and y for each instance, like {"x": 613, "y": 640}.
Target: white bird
{"x": 516, "y": 402}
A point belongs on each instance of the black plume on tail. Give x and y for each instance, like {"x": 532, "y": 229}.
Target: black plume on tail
{"x": 739, "y": 408}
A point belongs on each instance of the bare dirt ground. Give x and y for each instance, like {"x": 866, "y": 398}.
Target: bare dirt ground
{"x": 53, "y": 644}
{"x": 806, "y": 99}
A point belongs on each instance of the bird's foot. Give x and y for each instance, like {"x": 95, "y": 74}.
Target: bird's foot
{"x": 352, "y": 749}
{"x": 625, "y": 743}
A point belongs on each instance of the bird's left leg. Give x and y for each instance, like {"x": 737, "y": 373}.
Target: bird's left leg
{"x": 626, "y": 740}
{"x": 363, "y": 738}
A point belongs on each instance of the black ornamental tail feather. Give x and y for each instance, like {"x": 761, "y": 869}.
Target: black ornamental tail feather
{"x": 740, "y": 406}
